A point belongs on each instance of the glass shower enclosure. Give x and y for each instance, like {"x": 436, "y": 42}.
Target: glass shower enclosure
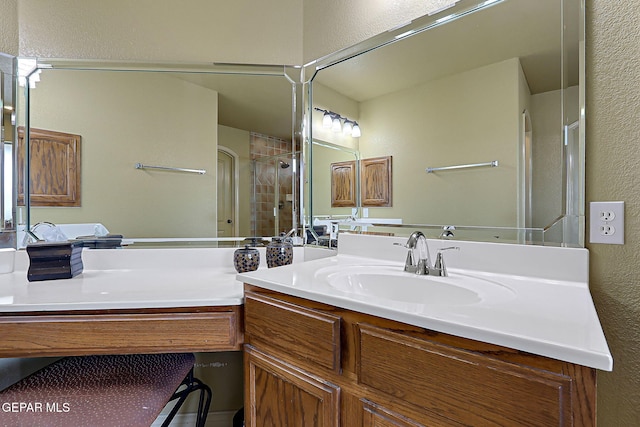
{"x": 274, "y": 201}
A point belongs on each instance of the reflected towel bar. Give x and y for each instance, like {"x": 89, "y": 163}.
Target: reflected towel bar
{"x": 492, "y": 164}
{"x": 165, "y": 168}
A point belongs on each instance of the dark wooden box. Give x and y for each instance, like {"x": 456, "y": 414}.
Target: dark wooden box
{"x": 55, "y": 260}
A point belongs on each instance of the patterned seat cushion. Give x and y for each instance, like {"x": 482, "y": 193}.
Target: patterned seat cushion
{"x": 119, "y": 390}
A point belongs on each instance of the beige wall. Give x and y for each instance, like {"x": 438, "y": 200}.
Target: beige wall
{"x": 421, "y": 127}
{"x": 471, "y": 117}
{"x": 146, "y": 30}
{"x": 613, "y": 173}
{"x": 126, "y": 118}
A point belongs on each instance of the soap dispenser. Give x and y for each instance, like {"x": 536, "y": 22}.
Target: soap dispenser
{"x": 279, "y": 252}
{"x": 247, "y": 259}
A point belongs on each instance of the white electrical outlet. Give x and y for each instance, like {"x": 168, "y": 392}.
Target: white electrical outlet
{"x": 607, "y": 223}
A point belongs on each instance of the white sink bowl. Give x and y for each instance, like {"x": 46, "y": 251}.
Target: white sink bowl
{"x": 394, "y": 284}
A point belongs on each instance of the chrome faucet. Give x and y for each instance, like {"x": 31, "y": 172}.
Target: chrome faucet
{"x": 420, "y": 263}
{"x": 417, "y": 263}
{"x": 30, "y": 235}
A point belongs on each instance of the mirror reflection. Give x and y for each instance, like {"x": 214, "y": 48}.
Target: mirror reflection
{"x": 7, "y": 121}
{"x": 163, "y": 155}
{"x": 496, "y": 87}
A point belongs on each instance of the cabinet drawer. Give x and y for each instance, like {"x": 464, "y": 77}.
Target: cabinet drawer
{"x": 62, "y": 335}
{"x": 462, "y": 386}
{"x": 291, "y": 330}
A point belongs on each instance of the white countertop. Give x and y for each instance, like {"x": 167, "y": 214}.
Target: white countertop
{"x": 128, "y": 279}
{"x": 134, "y": 279}
{"x": 547, "y": 309}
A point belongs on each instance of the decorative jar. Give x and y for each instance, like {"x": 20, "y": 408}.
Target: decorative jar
{"x": 246, "y": 259}
{"x": 279, "y": 252}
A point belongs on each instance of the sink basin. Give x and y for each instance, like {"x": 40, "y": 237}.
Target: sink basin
{"x": 391, "y": 283}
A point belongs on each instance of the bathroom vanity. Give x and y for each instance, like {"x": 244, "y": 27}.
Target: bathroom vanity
{"x": 320, "y": 353}
{"x": 510, "y": 337}
{"x": 308, "y": 363}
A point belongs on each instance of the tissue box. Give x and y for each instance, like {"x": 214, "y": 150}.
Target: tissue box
{"x": 55, "y": 260}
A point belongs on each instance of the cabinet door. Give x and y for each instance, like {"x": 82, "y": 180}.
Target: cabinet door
{"x": 469, "y": 388}
{"x": 281, "y": 395}
{"x": 54, "y": 172}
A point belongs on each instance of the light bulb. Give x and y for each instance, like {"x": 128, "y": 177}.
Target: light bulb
{"x": 355, "y": 132}
{"x": 348, "y": 127}
{"x": 337, "y": 125}
{"x": 326, "y": 120}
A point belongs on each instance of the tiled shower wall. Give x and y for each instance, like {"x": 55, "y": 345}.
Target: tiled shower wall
{"x": 268, "y": 151}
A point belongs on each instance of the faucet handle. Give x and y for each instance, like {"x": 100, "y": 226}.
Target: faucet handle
{"x": 410, "y": 265}
{"x": 439, "y": 264}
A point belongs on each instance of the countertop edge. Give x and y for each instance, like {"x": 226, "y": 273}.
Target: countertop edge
{"x": 585, "y": 357}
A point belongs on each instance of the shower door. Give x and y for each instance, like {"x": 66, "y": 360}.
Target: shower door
{"x": 274, "y": 202}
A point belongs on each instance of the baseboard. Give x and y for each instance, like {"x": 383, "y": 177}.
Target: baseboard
{"x": 214, "y": 419}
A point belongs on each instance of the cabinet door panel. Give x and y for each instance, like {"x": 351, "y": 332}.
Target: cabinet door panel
{"x": 460, "y": 385}
{"x": 281, "y": 395}
{"x": 293, "y": 331}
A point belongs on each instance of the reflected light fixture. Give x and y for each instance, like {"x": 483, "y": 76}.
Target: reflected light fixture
{"x": 28, "y": 73}
{"x": 338, "y": 123}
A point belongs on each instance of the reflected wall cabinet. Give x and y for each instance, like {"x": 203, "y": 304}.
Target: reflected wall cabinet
{"x": 54, "y": 168}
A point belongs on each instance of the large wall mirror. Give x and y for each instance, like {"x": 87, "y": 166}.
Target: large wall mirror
{"x": 480, "y": 109}
{"x": 164, "y": 153}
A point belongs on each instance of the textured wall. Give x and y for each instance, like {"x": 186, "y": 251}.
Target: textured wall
{"x": 9, "y": 26}
{"x": 147, "y": 30}
{"x": 613, "y": 173}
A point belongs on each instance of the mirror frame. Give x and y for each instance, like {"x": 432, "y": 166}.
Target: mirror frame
{"x": 571, "y": 221}
{"x": 8, "y": 97}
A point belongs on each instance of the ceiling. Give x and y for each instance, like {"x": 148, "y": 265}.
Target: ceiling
{"x": 255, "y": 103}
{"x": 528, "y": 29}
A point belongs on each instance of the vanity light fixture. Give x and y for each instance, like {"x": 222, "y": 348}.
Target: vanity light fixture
{"x": 338, "y": 123}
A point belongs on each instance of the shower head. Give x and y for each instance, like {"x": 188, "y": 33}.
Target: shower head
{"x": 284, "y": 165}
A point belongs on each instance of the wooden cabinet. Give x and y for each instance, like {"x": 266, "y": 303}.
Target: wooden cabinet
{"x": 54, "y": 173}
{"x": 311, "y": 364}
